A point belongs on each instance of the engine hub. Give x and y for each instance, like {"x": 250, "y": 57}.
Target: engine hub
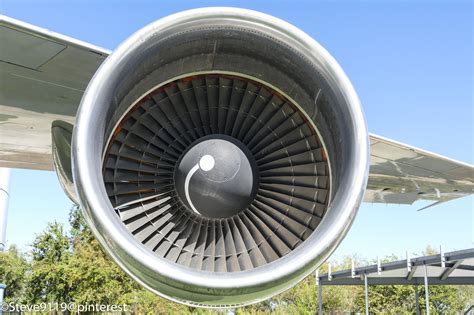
{"x": 215, "y": 178}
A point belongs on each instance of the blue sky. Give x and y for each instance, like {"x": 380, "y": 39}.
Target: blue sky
{"x": 410, "y": 62}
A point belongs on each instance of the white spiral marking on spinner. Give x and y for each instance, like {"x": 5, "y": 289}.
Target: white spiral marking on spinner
{"x": 206, "y": 163}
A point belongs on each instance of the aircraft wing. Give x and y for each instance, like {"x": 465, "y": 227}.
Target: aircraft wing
{"x": 44, "y": 74}
{"x": 403, "y": 174}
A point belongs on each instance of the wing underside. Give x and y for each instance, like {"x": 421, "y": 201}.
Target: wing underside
{"x": 44, "y": 74}
{"x": 403, "y": 174}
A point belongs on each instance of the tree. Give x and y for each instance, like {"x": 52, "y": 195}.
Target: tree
{"x": 387, "y": 299}
{"x": 13, "y": 271}
{"x": 52, "y": 245}
{"x": 97, "y": 280}
{"x": 445, "y": 299}
{"x": 49, "y": 280}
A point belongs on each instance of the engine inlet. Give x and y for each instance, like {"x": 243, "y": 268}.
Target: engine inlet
{"x": 217, "y": 173}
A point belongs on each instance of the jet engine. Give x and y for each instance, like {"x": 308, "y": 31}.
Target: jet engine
{"x": 220, "y": 156}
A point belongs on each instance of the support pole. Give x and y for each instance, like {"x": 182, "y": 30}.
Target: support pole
{"x": 417, "y": 301}
{"x": 320, "y": 291}
{"x": 366, "y": 295}
{"x": 427, "y": 295}
{"x": 320, "y": 298}
{"x": 4, "y": 184}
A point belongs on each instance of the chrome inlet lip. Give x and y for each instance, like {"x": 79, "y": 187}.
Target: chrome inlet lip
{"x": 164, "y": 277}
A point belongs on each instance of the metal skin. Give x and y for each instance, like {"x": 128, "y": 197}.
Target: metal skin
{"x": 61, "y": 134}
{"x": 218, "y": 289}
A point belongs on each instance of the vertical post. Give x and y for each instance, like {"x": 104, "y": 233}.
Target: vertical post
{"x": 408, "y": 262}
{"x": 443, "y": 258}
{"x": 320, "y": 298}
{"x": 427, "y": 295}
{"x": 417, "y": 302}
{"x": 4, "y": 183}
{"x": 320, "y": 292}
{"x": 366, "y": 295}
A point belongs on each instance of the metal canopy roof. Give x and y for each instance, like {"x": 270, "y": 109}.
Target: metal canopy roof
{"x": 456, "y": 268}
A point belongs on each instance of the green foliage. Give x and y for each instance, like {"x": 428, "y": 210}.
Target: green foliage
{"x": 13, "y": 272}
{"x": 96, "y": 280}
{"x": 389, "y": 299}
{"x": 71, "y": 267}
{"x": 146, "y": 302}
{"x": 445, "y": 299}
{"x": 80, "y": 232}
{"x": 51, "y": 246}
{"x": 49, "y": 277}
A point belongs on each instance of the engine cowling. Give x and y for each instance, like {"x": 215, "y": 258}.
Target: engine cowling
{"x": 220, "y": 156}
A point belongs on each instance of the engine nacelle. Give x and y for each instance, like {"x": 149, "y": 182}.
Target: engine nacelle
{"x": 220, "y": 156}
